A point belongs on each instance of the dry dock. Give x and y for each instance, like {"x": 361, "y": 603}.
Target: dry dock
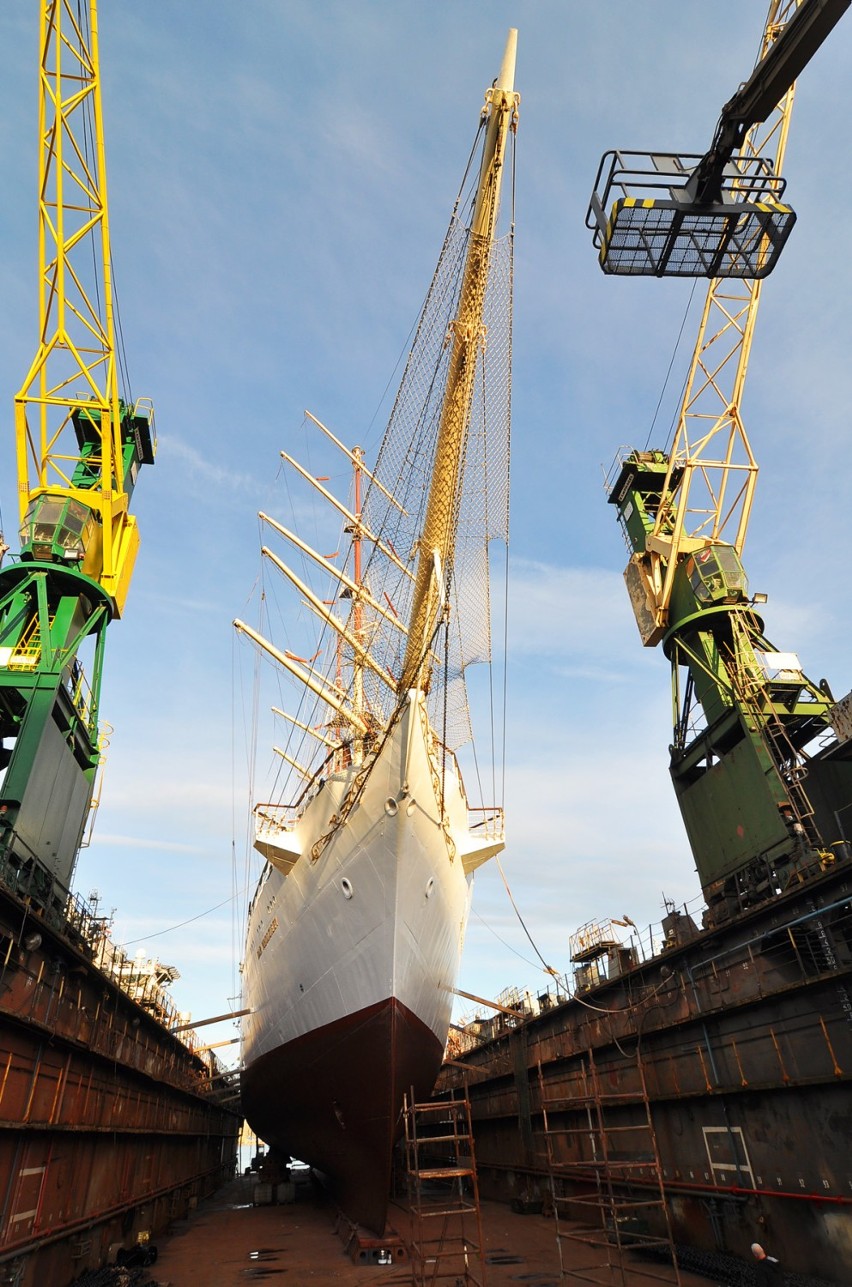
{"x": 229, "y": 1242}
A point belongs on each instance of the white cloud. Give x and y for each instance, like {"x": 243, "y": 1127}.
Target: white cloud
{"x": 105, "y": 839}
{"x": 202, "y": 468}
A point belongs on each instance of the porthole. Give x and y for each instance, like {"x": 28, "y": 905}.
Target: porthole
{"x": 430, "y": 885}
{"x": 391, "y": 807}
{"x": 346, "y": 887}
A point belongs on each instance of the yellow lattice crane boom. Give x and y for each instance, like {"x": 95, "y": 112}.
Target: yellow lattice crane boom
{"x": 79, "y": 444}
{"x": 699, "y": 494}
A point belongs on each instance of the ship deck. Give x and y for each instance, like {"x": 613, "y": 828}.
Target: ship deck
{"x": 228, "y": 1241}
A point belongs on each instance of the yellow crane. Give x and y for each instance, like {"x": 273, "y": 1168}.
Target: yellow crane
{"x": 79, "y": 445}
{"x": 79, "y": 449}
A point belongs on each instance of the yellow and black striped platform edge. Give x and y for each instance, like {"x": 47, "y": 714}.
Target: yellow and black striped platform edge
{"x": 650, "y": 203}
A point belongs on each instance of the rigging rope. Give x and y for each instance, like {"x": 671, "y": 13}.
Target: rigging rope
{"x": 548, "y": 969}
{"x": 502, "y": 940}
{"x": 668, "y": 373}
{"x": 562, "y": 978}
{"x": 181, "y": 924}
{"x": 406, "y": 347}
{"x": 90, "y": 156}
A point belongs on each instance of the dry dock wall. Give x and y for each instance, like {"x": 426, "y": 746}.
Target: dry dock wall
{"x": 106, "y": 1124}
{"x": 744, "y": 1039}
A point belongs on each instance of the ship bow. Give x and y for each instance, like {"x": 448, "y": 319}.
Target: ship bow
{"x": 334, "y": 1098}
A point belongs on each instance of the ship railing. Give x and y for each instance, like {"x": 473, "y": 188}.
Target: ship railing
{"x": 646, "y": 942}
{"x": 142, "y": 980}
{"x": 24, "y": 875}
{"x": 487, "y": 823}
{"x": 803, "y": 946}
{"x": 474, "y": 1029}
{"x": 273, "y": 819}
{"x": 468, "y": 1036}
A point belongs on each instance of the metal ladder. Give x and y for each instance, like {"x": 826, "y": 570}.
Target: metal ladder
{"x": 605, "y": 1178}
{"x": 443, "y": 1193}
{"x": 757, "y": 701}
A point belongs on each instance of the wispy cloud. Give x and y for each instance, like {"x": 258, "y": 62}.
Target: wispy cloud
{"x": 106, "y": 839}
{"x": 201, "y": 468}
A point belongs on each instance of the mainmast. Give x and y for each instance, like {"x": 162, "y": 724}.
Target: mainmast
{"x": 436, "y": 544}
{"x": 358, "y": 611}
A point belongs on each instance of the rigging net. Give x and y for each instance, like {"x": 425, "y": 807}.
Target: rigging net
{"x": 388, "y": 524}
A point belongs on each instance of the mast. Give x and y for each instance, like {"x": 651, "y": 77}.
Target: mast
{"x": 358, "y": 612}
{"x": 436, "y": 544}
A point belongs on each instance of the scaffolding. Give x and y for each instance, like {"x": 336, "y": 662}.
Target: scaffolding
{"x": 446, "y": 1242}
{"x": 609, "y": 1205}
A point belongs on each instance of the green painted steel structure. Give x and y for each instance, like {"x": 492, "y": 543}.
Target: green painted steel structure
{"x": 760, "y": 777}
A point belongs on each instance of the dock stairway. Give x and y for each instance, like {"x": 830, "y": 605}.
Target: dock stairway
{"x": 609, "y": 1205}
{"x": 446, "y": 1242}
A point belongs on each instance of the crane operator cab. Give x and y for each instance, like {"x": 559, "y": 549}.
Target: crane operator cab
{"x": 706, "y": 581}
{"x": 716, "y": 576}
{"x": 57, "y": 529}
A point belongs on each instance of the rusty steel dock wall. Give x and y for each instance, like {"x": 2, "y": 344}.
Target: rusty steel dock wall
{"x": 108, "y": 1125}
{"x": 744, "y": 1038}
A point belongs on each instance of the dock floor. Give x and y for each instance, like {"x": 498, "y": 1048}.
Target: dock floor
{"x": 229, "y": 1242}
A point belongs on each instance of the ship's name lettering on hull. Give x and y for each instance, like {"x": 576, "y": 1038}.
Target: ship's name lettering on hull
{"x": 273, "y": 926}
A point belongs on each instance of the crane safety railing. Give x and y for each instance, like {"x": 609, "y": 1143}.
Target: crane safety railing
{"x": 655, "y": 227}
{"x": 26, "y": 654}
{"x": 807, "y": 944}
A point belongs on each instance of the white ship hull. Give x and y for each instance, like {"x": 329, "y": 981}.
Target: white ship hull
{"x": 353, "y": 947}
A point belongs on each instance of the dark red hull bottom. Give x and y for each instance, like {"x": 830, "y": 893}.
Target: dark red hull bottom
{"x": 334, "y": 1097}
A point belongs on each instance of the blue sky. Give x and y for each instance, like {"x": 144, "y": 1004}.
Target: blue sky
{"x": 280, "y": 177}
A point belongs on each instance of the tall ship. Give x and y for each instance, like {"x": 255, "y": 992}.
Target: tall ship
{"x": 109, "y": 1119}
{"x": 356, "y": 927}
{"x": 691, "y": 1084}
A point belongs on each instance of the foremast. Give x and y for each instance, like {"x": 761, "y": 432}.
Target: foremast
{"x": 436, "y": 545}
{"x": 377, "y": 672}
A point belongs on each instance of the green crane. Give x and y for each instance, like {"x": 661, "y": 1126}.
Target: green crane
{"x": 761, "y": 759}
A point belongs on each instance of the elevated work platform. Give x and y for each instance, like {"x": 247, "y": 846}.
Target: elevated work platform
{"x": 656, "y": 228}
